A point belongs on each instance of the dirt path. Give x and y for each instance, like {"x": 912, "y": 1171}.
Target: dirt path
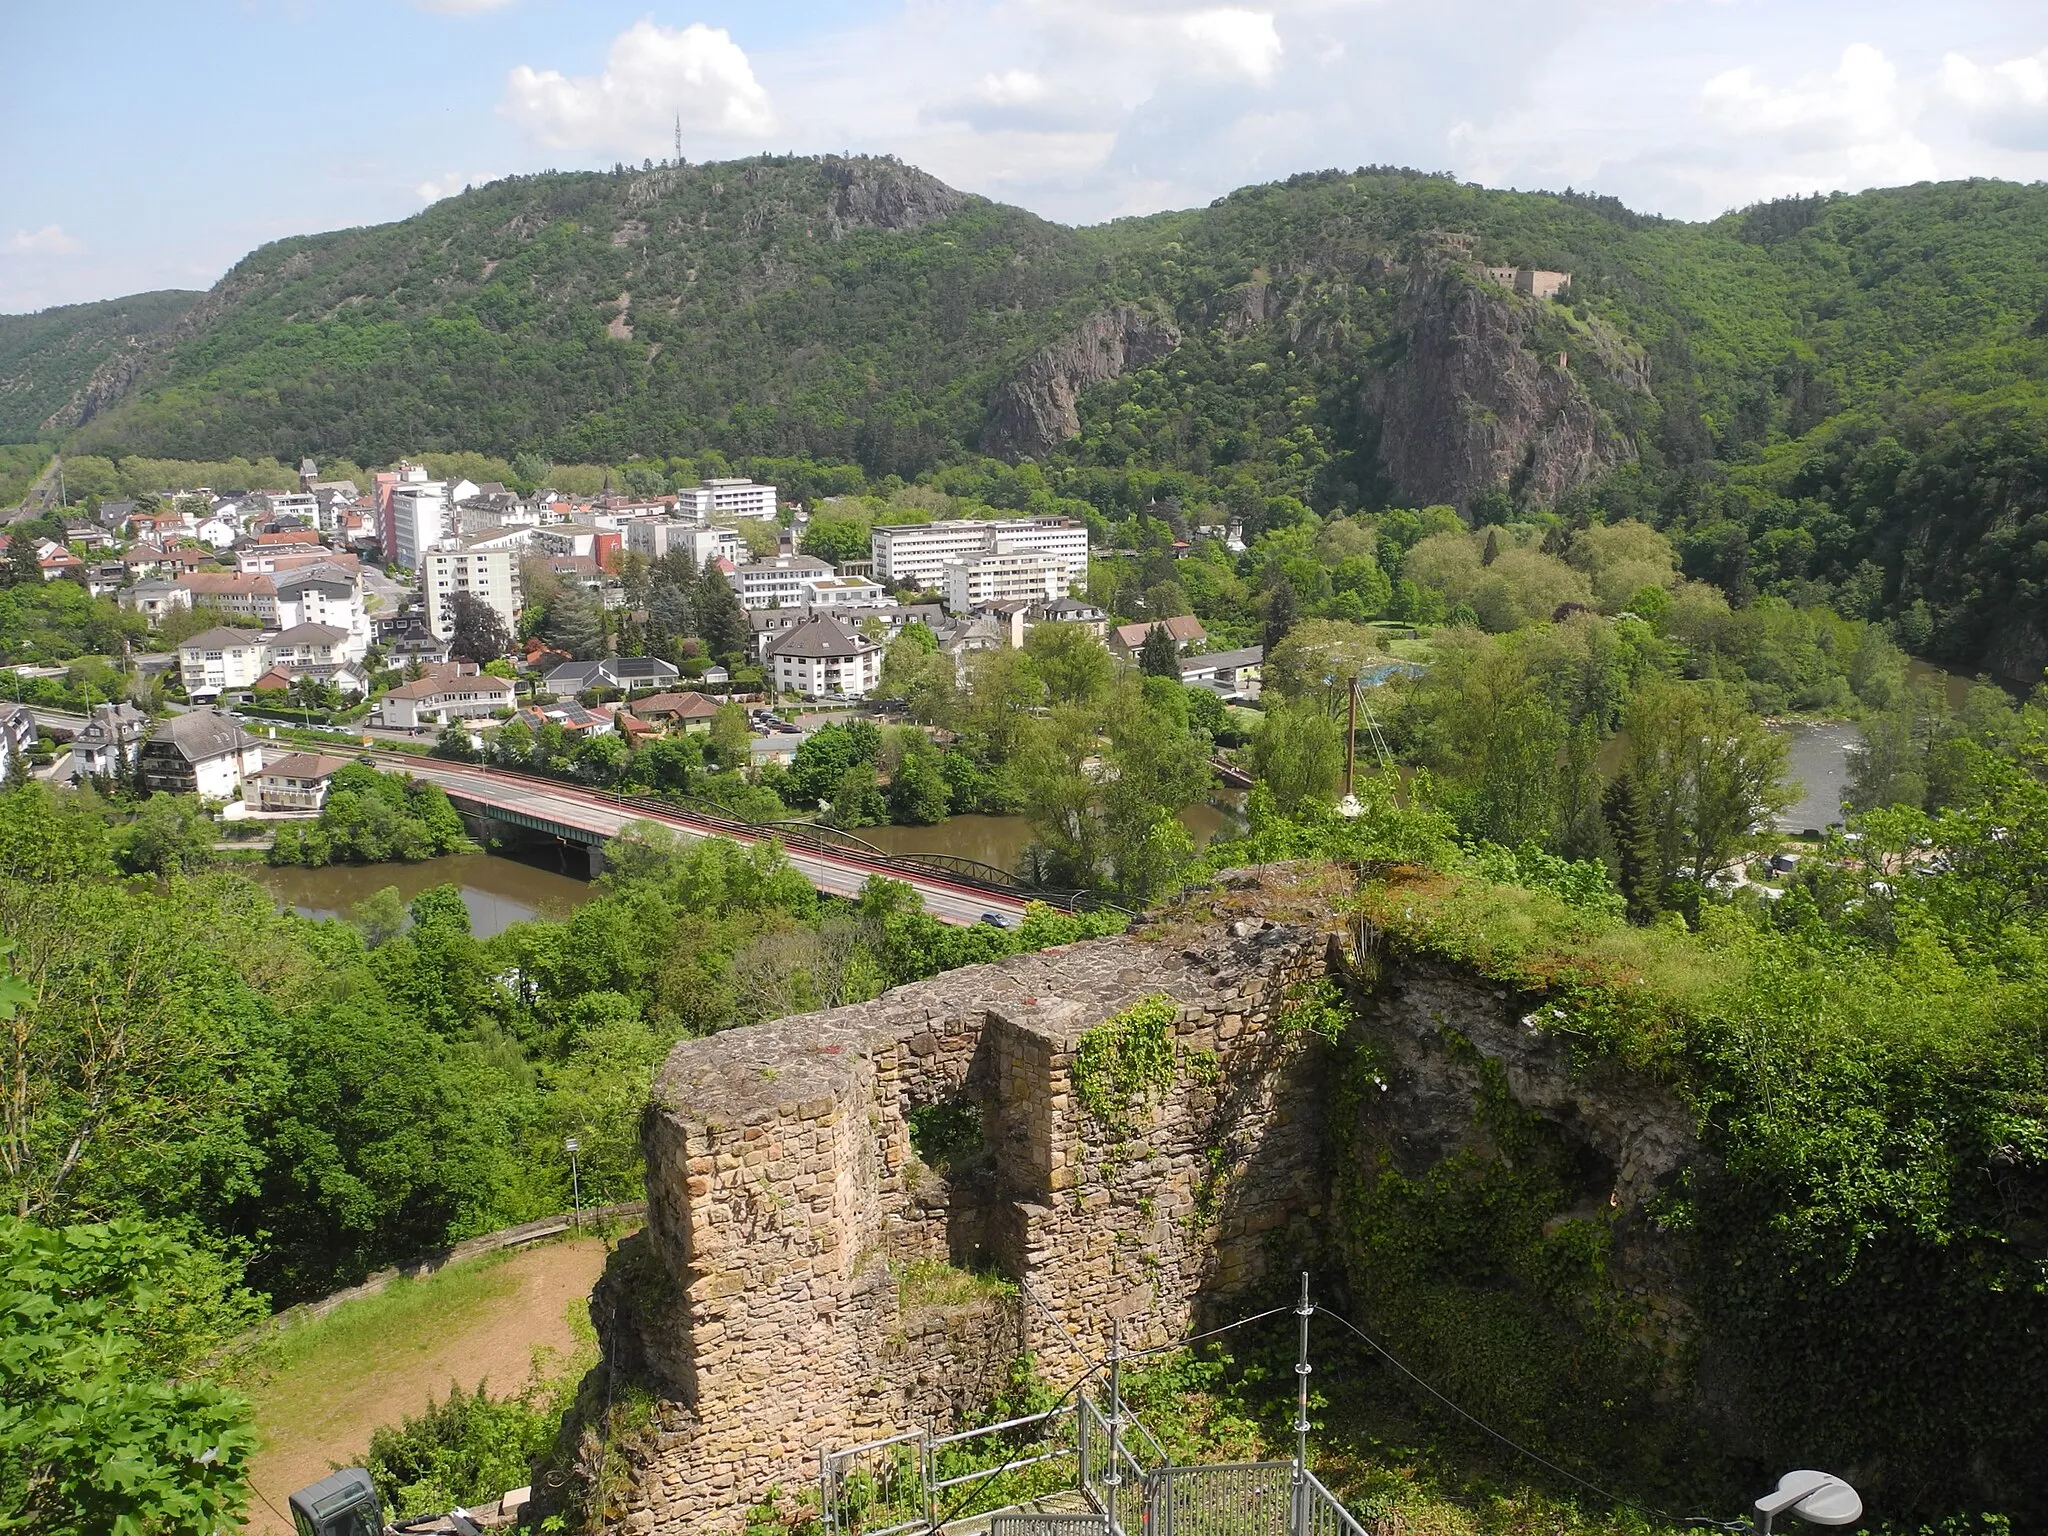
{"x": 378, "y": 1360}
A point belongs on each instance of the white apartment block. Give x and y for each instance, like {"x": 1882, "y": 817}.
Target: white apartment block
{"x": 487, "y": 568}
{"x": 777, "y": 583}
{"x": 566, "y": 541}
{"x": 1003, "y": 578}
{"x": 325, "y": 594}
{"x": 295, "y": 504}
{"x": 726, "y": 498}
{"x": 222, "y": 658}
{"x": 420, "y": 519}
{"x": 823, "y": 658}
{"x": 919, "y": 552}
{"x": 656, "y": 537}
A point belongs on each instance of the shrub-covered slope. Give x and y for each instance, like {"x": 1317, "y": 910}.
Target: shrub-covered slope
{"x": 50, "y": 360}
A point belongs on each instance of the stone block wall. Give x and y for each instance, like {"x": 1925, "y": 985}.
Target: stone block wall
{"x": 786, "y": 1201}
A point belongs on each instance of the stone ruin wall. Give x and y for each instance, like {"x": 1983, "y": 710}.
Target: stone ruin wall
{"x": 784, "y": 1200}
{"x": 764, "y": 1304}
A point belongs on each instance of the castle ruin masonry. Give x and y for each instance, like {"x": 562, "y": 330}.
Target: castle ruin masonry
{"x": 766, "y": 1303}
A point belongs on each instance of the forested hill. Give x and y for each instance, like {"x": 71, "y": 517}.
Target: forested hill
{"x": 1826, "y": 398}
{"x": 59, "y": 364}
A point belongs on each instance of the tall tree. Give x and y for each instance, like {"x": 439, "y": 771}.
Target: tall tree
{"x": 1159, "y": 657}
{"x": 480, "y": 635}
{"x": 721, "y": 621}
{"x": 575, "y": 623}
{"x": 1710, "y": 772}
{"x": 22, "y": 568}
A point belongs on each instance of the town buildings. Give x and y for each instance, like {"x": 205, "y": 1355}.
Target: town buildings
{"x": 108, "y": 741}
{"x": 215, "y": 660}
{"x": 622, "y": 673}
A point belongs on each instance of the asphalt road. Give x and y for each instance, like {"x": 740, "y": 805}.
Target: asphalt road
{"x": 841, "y": 875}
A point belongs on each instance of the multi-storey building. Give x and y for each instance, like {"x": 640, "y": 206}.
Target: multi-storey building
{"x": 983, "y": 579}
{"x": 777, "y": 583}
{"x": 726, "y": 498}
{"x": 656, "y": 537}
{"x": 486, "y": 567}
{"x": 918, "y": 552}
{"x": 421, "y": 517}
{"x": 218, "y": 659}
{"x": 823, "y": 658}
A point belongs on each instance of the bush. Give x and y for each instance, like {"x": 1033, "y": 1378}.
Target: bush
{"x": 466, "y": 1450}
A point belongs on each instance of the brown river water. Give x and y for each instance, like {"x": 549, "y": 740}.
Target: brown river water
{"x": 501, "y": 890}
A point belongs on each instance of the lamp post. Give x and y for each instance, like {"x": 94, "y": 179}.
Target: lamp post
{"x": 1820, "y": 1497}
{"x": 571, "y": 1146}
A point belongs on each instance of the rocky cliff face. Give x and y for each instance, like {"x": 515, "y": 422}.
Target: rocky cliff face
{"x": 1471, "y": 404}
{"x": 1038, "y": 410}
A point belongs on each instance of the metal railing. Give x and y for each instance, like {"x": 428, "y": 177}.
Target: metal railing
{"x": 905, "y": 1485}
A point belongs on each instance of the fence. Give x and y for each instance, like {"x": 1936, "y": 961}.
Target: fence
{"x": 903, "y": 1486}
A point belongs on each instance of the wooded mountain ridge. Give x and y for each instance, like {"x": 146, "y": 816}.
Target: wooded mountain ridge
{"x": 1833, "y": 398}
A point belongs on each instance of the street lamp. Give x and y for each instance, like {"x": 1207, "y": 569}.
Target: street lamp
{"x": 570, "y": 1145}
{"x": 1820, "y": 1497}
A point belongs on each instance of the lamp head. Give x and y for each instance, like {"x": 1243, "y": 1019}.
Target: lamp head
{"x": 1819, "y": 1497}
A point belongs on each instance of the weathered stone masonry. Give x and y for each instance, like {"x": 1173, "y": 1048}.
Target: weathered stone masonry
{"x": 784, "y": 1200}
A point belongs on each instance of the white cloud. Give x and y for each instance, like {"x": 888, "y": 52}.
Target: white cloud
{"x": 50, "y": 240}
{"x": 450, "y": 183}
{"x": 651, "y": 75}
{"x": 1854, "y": 125}
{"x": 2005, "y": 104}
{"x": 1011, "y": 88}
{"x": 1234, "y": 42}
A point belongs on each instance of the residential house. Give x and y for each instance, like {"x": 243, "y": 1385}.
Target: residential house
{"x": 823, "y": 658}
{"x": 437, "y": 700}
{"x": 329, "y": 593}
{"x": 843, "y": 592}
{"x": 1231, "y": 673}
{"x": 87, "y": 536}
{"x": 1071, "y": 610}
{"x": 109, "y": 739}
{"x": 766, "y": 623}
{"x": 57, "y": 561}
{"x": 780, "y": 748}
{"x": 17, "y": 734}
{"x": 690, "y": 711}
{"x": 297, "y": 782}
{"x": 113, "y": 514}
{"x": 1184, "y": 629}
{"x": 624, "y": 673}
{"x": 219, "y": 659}
{"x": 201, "y": 753}
{"x": 103, "y": 578}
{"x": 573, "y": 718}
{"x": 236, "y": 595}
{"x": 317, "y": 650}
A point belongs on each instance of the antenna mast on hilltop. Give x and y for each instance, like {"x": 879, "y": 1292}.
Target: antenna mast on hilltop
{"x": 679, "y": 138}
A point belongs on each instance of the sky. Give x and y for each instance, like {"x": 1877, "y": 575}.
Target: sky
{"x": 152, "y": 143}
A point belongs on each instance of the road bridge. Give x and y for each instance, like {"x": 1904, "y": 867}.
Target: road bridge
{"x": 588, "y": 817}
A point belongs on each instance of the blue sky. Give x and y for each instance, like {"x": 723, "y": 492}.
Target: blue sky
{"x": 150, "y": 145}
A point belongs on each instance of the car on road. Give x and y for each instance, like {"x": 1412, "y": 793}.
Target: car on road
{"x": 998, "y": 920}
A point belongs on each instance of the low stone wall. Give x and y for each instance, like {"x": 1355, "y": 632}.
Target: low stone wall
{"x": 785, "y": 1200}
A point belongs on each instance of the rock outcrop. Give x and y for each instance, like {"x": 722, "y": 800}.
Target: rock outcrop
{"x": 883, "y": 194}
{"x": 1470, "y": 404}
{"x": 1039, "y": 409}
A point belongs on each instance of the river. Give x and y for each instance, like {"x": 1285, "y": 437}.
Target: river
{"x": 501, "y": 890}
{"x": 498, "y": 890}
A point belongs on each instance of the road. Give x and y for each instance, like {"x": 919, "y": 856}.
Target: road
{"x": 838, "y": 874}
